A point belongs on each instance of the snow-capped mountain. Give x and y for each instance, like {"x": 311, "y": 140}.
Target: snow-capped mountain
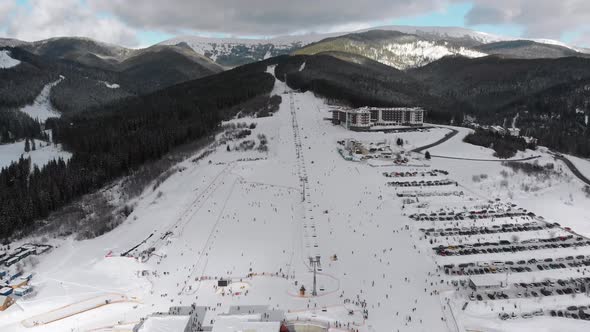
{"x": 231, "y": 52}
{"x": 434, "y": 43}
{"x": 420, "y": 46}
{"x": 444, "y": 33}
{"x": 394, "y": 48}
{"x": 422, "y": 52}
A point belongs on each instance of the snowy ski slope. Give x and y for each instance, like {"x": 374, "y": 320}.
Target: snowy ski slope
{"x": 41, "y": 108}
{"x": 256, "y": 217}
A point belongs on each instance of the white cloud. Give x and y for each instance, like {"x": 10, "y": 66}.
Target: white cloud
{"x": 50, "y": 18}
{"x": 540, "y": 18}
{"x": 6, "y": 8}
{"x": 260, "y": 17}
{"x": 118, "y": 21}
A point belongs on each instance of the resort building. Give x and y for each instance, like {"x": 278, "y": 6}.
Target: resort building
{"x": 367, "y": 118}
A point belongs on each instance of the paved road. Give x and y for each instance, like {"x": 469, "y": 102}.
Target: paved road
{"x": 572, "y": 168}
{"x": 440, "y": 141}
{"x": 451, "y": 135}
{"x": 496, "y": 160}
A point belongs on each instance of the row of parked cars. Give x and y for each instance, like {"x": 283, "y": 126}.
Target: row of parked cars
{"x": 504, "y": 228}
{"x": 537, "y": 289}
{"x": 506, "y": 316}
{"x": 575, "y": 312}
{"x": 422, "y": 183}
{"x": 435, "y": 172}
{"x": 444, "y": 216}
{"x": 505, "y": 246}
{"x": 532, "y": 265}
{"x": 435, "y": 217}
{"x": 430, "y": 193}
{"x": 507, "y": 214}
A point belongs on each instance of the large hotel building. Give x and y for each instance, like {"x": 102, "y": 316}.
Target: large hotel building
{"x": 366, "y": 118}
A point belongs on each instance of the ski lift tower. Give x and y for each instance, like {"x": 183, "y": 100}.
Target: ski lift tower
{"x": 315, "y": 263}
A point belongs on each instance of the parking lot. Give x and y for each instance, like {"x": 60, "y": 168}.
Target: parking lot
{"x": 434, "y": 172}
{"x": 534, "y": 289}
{"x": 529, "y": 257}
{"x": 531, "y": 265}
{"x": 504, "y": 246}
{"x": 495, "y": 229}
{"x": 422, "y": 183}
{"x": 469, "y": 215}
{"x": 436, "y": 193}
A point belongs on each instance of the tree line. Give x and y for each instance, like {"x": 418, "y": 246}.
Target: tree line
{"x": 115, "y": 139}
{"x": 505, "y": 146}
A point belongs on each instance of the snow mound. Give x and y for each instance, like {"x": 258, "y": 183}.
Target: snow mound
{"x": 111, "y": 85}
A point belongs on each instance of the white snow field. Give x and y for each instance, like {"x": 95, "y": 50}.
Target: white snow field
{"x": 42, "y": 155}
{"x": 256, "y": 217}
{"x": 41, "y": 108}
{"x": 111, "y": 85}
{"x": 6, "y": 61}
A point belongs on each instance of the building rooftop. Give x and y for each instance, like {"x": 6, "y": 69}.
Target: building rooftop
{"x": 485, "y": 281}
{"x": 241, "y": 323}
{"x": 164, "y": 323}
{"x": 371, "y": 108}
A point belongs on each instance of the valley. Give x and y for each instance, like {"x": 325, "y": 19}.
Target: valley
{"x": 304, "y": 170}
{"x": 255, "y": 217}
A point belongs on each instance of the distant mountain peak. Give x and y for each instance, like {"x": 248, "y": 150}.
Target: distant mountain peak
{"x": 230, "y": 52}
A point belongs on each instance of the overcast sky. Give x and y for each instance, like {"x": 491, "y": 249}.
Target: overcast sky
{"x": 143, "y": 22}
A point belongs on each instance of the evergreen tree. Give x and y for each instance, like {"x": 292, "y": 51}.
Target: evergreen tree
{"x": 33, "y": 147}
{"x": 117, "y": 139}
{"x": 427, "y": 155}
{"x": 27, "y": 145}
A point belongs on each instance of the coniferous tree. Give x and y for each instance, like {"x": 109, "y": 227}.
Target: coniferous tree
{"x": 27, "y": 145}
{"x": 115, "y": 140}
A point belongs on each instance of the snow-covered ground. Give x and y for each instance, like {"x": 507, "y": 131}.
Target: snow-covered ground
{"x": 256, "y": 217}
{"x": 6, "y": 61}
{"x": 422, "y": 52}
{"x": 43, "y": 153}
{"x": 111, "y": 85}
{"x": 41, "y": 107}
{"x": 583, "y": 165}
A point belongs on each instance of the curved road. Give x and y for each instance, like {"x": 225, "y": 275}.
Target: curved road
{"x": 495, "y": 160}
{"x": 572, "y": 167}
{"x": 455, "y": 132}
{"x": 440, "y": 141}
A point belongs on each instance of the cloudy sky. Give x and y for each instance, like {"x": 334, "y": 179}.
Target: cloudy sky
{"x": 143, "y": 22}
